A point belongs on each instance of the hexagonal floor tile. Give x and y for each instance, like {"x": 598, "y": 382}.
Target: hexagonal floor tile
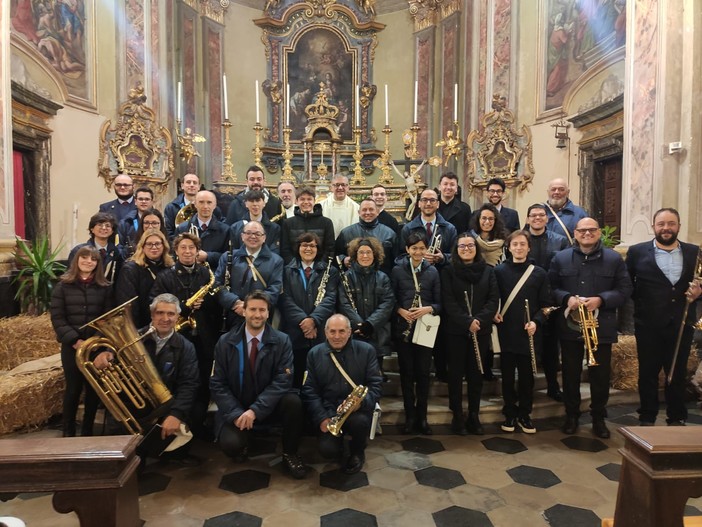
{"x": 585, "y": 444}
{"x": 533, "y": 476}
{"x": 245, "y": 481}
{"x": 567, "y": 516}
{"x": 691, "y": 510}
{"x": 422, "y": 445}
{"x": 240, "y": 519}
{"x": 460, "y": 516}
{"x": 504, "y": 445}
{"x": 610, "y": 471}
{"x": 346, "y": 517}
{"x": 337, "y": 480}
{"x": 439, "y": 478}
{"x": 408, "y": 460}
{"x": 150, "y": 482}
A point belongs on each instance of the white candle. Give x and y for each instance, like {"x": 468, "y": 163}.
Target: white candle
{"x": 179, "y": 102}
{"x": 224, "y": 96}
{"x": 358, "y": 107}
{"x": 416, "y": 88}
{"x": 258, "y": 117}
{"x": 74, "y": 221}
{"x": 287, "y": 111}
{"x": 455, "y": 102}
{"x": 387, "y": 113}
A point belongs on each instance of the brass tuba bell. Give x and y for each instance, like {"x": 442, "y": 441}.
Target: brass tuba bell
{"x": 185, "y": 213}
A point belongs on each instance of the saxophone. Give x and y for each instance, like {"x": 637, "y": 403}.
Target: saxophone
{"x": 323, "y": 284}
{"x": 350, "y": 405}
{"x": 184, "y": 322}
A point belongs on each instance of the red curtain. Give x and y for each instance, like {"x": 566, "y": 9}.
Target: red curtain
{"x": 18, "y": 179}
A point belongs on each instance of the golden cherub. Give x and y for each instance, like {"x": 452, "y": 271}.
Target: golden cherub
{"x": 451, "y": 146}
{"x": 186, "y": 140}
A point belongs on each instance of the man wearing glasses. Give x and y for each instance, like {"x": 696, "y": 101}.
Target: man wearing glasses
{"x": 451, "y": 208}
{"x": 124, "y": 204}
{"x": 339, "y": 207}
{"x": 128, "y": 227}
{"x": 213, "y": 234}
{"x": 253, "y": 267}
{"x": 595, "y": 277}
{"x": 496, "y": 193}
{"x": 430, "y": 223}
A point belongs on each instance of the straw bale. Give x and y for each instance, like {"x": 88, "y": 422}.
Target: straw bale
{"x": 30, "y": 399}
{"x": 24, "y": 338}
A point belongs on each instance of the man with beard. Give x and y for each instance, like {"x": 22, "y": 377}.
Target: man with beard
{"x": 286, "y": 193}
{"x": 496, "y": 193}
{"x": 563, "y": 214}
{"x": 255, "y": 180}
{"x": 663, "y": 272}
{"x": 124, "y": 204}
{"x": 432, "y": 224}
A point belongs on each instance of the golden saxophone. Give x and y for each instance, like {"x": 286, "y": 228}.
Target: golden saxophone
{"x": 279, "y": 216}
{"x": 184, "y": 322}
{"x": 532, "y": 350}
{"x": 474, "y": 336}
{"x": 588, "y": 327}
{"x": 350, "y": 405}
{"x": 323, "y": 284}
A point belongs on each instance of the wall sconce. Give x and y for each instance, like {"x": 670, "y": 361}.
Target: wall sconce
{"x": 561, "y": 133}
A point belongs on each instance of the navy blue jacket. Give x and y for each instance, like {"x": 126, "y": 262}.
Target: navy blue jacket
{"x": 238, "y": 211}
{"x": 384, "y": 234}
{"x": 116, "y": 208}
{"x": 214, "y": 241}
{"x": 272, "y": 231}
{"x": 403, "y": 286}
{"x": 570, "y": 215}
{"x": 447, "y": 231}
{"x": 510, "y": 217}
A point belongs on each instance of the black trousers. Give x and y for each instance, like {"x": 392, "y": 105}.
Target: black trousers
{"x": 549, "y": 351}
{"x": 518, "y": 401}
{"x": 299, "y": 365}
{"x": 572, "y": 353}
{"x": 415, "y": 366}
{"x": 288, "y": 411}
{"x": 655, "y": 348}
{"x": 71, "y": 397}
{"x": 462, "y": 363}
{"x": 357, "y": 426}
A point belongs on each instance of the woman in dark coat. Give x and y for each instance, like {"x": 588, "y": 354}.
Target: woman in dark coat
{"x": 366, "y": 297}
{"x": 514, "y": 331}
{"x": 470, "y": 296}
{"x": 303, "y": 317}
{"x": 414, "y": 299}
{"x": 102, "y": 228}
{"x": 82, "y": 295}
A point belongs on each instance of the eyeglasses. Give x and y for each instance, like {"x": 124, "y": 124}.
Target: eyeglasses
{"x": 124, "y": 185}
{"x": 152, "y": 224}
{"x": 308, "y": 245}
{"x": 254, "y": 234}
{"x": 365, "y": 253}
{"x": 487, "y": 220}
{"x": 591, "y": 230}
{"x": 542, "y": 215}
{"x": 153, "y": 245}
{"x": 104, "y": 225}
{"x": 495, "y": 191}
{"x": 464, "y": 246}
{"x": 144, "y": 199}
{"x": 428, "y": 200}
{"x": 340, "y": 185}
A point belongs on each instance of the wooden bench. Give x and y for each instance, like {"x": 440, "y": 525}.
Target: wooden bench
{"x": 661, "y": 470}
{"x": 93, "y": 476}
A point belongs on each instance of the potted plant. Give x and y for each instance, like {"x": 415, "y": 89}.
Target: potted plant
{"x": 609, "y": 239}
{"x": 39, "y": 270}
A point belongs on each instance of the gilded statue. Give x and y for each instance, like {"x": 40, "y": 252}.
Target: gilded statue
{"x": 451, "y": 146}
{"x": 273, "y": 90}
{"x": 186, "y": 140}
{"x": 368, "y": 6}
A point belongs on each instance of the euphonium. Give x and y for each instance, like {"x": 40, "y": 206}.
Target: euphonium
{"x": 185, "y": 213}
{"x": 183, "y": 321}
{"x": 350, "y": 405}
{"x": 131, "y": 384}
{"x": 588, "y": 326}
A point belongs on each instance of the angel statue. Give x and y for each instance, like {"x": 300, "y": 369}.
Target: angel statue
{"x": 273, "y": 90}
{"x": 186, "y": 140}
{"x": 368, "y": 6}
{"x": 451, "y": 146}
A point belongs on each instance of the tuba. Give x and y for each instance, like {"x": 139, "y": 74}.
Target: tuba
{"x": 350, "y": 405}
{"x": 131, "y": 387}
{"x": 185, "y": 213}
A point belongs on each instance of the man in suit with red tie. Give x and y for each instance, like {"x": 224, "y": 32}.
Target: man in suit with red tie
{"x": 213, "y": 234}
{"x": 124, "y": 204}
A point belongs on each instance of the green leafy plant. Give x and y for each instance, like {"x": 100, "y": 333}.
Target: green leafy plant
{"x": 609, "y": 239}
{"x": 39, "y": 270}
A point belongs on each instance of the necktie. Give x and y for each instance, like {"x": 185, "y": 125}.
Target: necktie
{"x": 253, "y": 351}
{"x": 204, "y": 227}
{"x": 125, "y": 203}
{"x": 308, "y": 272}
{"x": 430, "y": 233}
{"x": 103, "y": 253}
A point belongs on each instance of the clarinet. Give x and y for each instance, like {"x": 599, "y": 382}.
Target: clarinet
{"x": 347, "y": 287}
{"x": 227, "y": 280}
{"x": 323, "y": 284}
{"x": 474, "y": 336}
{"x": 532, "y": 351}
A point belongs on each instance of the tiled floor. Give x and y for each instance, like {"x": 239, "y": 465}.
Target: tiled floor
{"x": 494, "y": 480}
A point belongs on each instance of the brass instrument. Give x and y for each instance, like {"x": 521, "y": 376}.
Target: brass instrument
{"x": 435, "y": 245}
{"x": 347, "y": 286}
{"x": 283, "y": 213}
{"x": 548, "y": 310}
{"x": 350, "y": 405}
{"x": 532, "y": 350}
{"x": 474, "y": 336}
{"x": 323, "y": 284}
{"x": 131, "y": 384}
{"x": 185, "y": 213}
{"x": 184, "y": 322}
{"x": 588, "y": 327}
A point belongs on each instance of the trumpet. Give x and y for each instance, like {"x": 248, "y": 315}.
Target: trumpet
{"x": 435, "y": 245}
{"x": 474, "y": 336}
{"x": 588, "y": 327}
{"x": 532, "y": 350}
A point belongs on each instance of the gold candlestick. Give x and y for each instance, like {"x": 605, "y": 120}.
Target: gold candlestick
{"x": 227, "y": 165}
{"x": 358, "y": 177}
{"x": 414, "y": 153}
{"x": 287, "y": 156}
{"x": 322, "y": 169}
{"x": 387, "y": 177}
{"x": 257, "y": 152}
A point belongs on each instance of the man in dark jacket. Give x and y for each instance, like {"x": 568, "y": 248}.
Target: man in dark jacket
{"x": 255, "y": 202}
{"x": 380, "y": 196}
{"x": 128, "y": 227}
{"x": 664, "y": 272}
{"x": 451, "y": 208}
{"x": 325, "y": 388}
{"x": 308, "y": 218}
{"x": 562, "y": 212}
{"x": 214, "y": 234}
{"x": 255, "y": 180}
{"x": 191, "y": 186}
{"x": 596, "y": 277}
{"x": 496, "y": 189}
{"x": 252, "y": 385}
{"x": 124, "y": 204}
{"x": 431, "y": 224}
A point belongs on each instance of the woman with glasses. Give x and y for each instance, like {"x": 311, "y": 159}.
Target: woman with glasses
{"x": 470, "y": 297}
{"x": 102, "y": 229}
{"x": 152, "y": 219}
{"x": 139, "y": 274}
{"x": 366, "y": 297}
{"x": 303, "y": 306}
{"x": 82, "y": 294}
{"x": 489, "y": 230}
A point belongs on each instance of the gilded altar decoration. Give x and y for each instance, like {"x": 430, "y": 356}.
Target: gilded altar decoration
{"x": 499, "y": 150}
{"x": 427, "y": 13}
{"x": 187, "y": 148}
{"x": 367, "y": 95}
{"x": 212, "y": 9}
{"x": 273, "y": 90}
{"x": 451, "y": 147}
{"x": 136, "y": 146}
{"x": 368, "y": 6}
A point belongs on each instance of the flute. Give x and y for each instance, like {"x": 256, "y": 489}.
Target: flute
{"x": 532, "y": 351}
{"x": 474, "y": 336}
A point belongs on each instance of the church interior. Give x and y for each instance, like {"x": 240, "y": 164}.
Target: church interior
{"x": 598, "y": 93}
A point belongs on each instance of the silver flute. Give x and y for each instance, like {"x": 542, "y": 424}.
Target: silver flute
{"x": 474, "y": 336}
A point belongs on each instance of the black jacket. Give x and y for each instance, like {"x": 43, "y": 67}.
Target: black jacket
{"x": 116, "y": 208}
{"x": 361, "y": 229}
{"x": 297, "y": 301}
{"x": 312, "y": 222}
{"x": 136, "y": 280}
{"x": 403, "y": 286}
{"x": 389, "y": 220}
{"x": 457, "y": 213}
{"x": 325, "y": 388}
{"x": 238, "y": 211}
{"x": 214, "y": 241}
{"x": 545, "y": 246}
{"x": 510, "y": 217}
{"x": 75, "y": 304}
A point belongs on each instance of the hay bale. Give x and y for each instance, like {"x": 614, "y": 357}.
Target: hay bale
{"x": 24, "y": 338}
{"x": 625, "y": 364}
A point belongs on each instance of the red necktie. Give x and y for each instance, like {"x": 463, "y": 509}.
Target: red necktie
{"x": 204, "y": 227}
{"x": 308, "y": 272}
{"x": 430, "y": 233}
{"x": 253, "y": 351}
{"x": 103, "y": 253}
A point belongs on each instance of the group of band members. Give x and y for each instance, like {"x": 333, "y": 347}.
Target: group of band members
{"x": 355, "y": 296}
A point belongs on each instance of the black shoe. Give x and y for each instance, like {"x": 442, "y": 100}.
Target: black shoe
{"x": 556, "y": 395}
{"x": 408, "y": 428}
{"x": 294, "y": 465}
{"x": 526, "y": 425}
{"x": 424, "y": 428}
{"x": 599, "y": 428}
{"x": 354, "y": 464}
{"x": 473, "y": 425}
{"x": 646, "y": 423}
{"x": 458, "y": 427}
{"x": 677, "y": 422}
{"x": 183, "y": 461}
{"x": 570, "y": 426}
{"x": 509, "y": 424}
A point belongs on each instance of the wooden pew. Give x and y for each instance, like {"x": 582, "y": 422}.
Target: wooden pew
{"x": 93, "y": 476}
